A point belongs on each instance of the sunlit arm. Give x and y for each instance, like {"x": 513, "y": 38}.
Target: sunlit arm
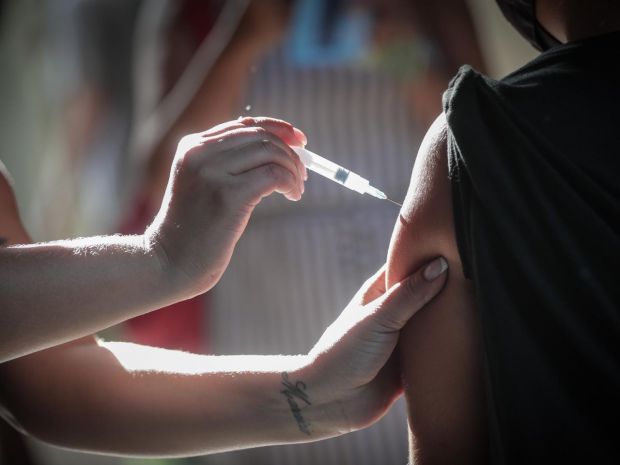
{"x": 54, "y": 292}
{"x": 126, "y": 399}
{"x": 51, "y": 293}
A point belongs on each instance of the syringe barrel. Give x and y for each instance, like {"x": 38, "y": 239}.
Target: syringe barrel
{"x": 331, "y": 170}
{"x": 357, "y": 183}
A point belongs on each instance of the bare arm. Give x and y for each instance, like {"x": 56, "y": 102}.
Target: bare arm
{"x": 440, "y": 350}
{"x": 135, "y": 400}
{"x": 54, "y": 292}
{"x": 127, "y": 399}
{"x": 35, "y": 280}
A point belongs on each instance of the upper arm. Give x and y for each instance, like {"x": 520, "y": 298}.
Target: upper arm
{"x": 440, "y": 352}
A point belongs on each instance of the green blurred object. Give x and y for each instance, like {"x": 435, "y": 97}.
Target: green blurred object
{"x": 405, "y": 57}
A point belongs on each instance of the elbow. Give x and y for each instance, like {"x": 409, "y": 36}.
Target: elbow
{"x": 36, "y": 409}
{"x": 50, "y": 425}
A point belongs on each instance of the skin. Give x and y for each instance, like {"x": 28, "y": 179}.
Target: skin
{"x": 154, "y": 402}
{"x": 54, "y": 394}
{"x": 439, "y": 347}
{"x": 217, "y": 178}
{"x": 126, "y": 399}
{"x": 61, "y": 419}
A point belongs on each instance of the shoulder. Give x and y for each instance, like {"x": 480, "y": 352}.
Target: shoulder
{"x": 425, "y": 227}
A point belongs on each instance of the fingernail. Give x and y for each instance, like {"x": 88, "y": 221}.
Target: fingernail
{"x": 435, "y": 268}
{"x": 300, "y": 135}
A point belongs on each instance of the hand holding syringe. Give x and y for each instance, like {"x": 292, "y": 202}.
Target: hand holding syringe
{"x": 338, "y": 174}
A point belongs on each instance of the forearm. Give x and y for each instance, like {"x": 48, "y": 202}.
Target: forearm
{"x": 131, "y": 400}
{"x": 54, "y": 292}
{"x": 51, "y": 293}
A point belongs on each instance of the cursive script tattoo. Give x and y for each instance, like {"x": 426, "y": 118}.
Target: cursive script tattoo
{"x": 294, "y": 392}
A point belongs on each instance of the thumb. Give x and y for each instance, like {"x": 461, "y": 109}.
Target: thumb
{"x": 405, "y": 298}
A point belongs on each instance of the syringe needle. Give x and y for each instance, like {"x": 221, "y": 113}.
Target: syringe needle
{"x": 395, "y": 203}
{"x": 379, "y": 194}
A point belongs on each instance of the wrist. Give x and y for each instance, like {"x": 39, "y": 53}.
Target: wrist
{"x": 283, "y": 405}
{"x": 312, "y": 407}
{"x": 166, "y": 275}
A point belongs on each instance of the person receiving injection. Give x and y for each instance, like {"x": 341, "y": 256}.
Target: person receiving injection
{"x": 66, "y": 388}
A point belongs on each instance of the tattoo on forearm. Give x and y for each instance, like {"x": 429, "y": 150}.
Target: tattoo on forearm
{"x": 293, "y": 393}
{"x": 2, "y": 241}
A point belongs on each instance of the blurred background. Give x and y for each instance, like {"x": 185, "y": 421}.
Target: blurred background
{"x": 96, "y": 93}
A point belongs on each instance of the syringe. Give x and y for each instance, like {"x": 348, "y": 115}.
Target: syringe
{"x": 338, "y": 174}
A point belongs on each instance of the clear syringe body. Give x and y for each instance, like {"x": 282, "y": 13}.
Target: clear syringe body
{"x": 337, "y": 173}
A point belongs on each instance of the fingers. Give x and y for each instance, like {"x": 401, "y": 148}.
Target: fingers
{"x": 285, "y": 131}
{"x": 288, "y": 133}
{"x": 233, "y": 150}
{"x": 237, "y": 163}
{"x": 266, "y": 179}
{"x": 403, "y": 300}
{"x": 247, "y": 148}
{"x": 285, "y": 135}
{"x": 220, "y": 128}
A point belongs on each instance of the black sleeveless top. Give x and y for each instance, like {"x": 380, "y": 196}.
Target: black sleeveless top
{"x": 535, "y": 166}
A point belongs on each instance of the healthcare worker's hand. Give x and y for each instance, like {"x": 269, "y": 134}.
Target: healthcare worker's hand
{"x": 217, "y": 178}
{"x": 351, "y": 376}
